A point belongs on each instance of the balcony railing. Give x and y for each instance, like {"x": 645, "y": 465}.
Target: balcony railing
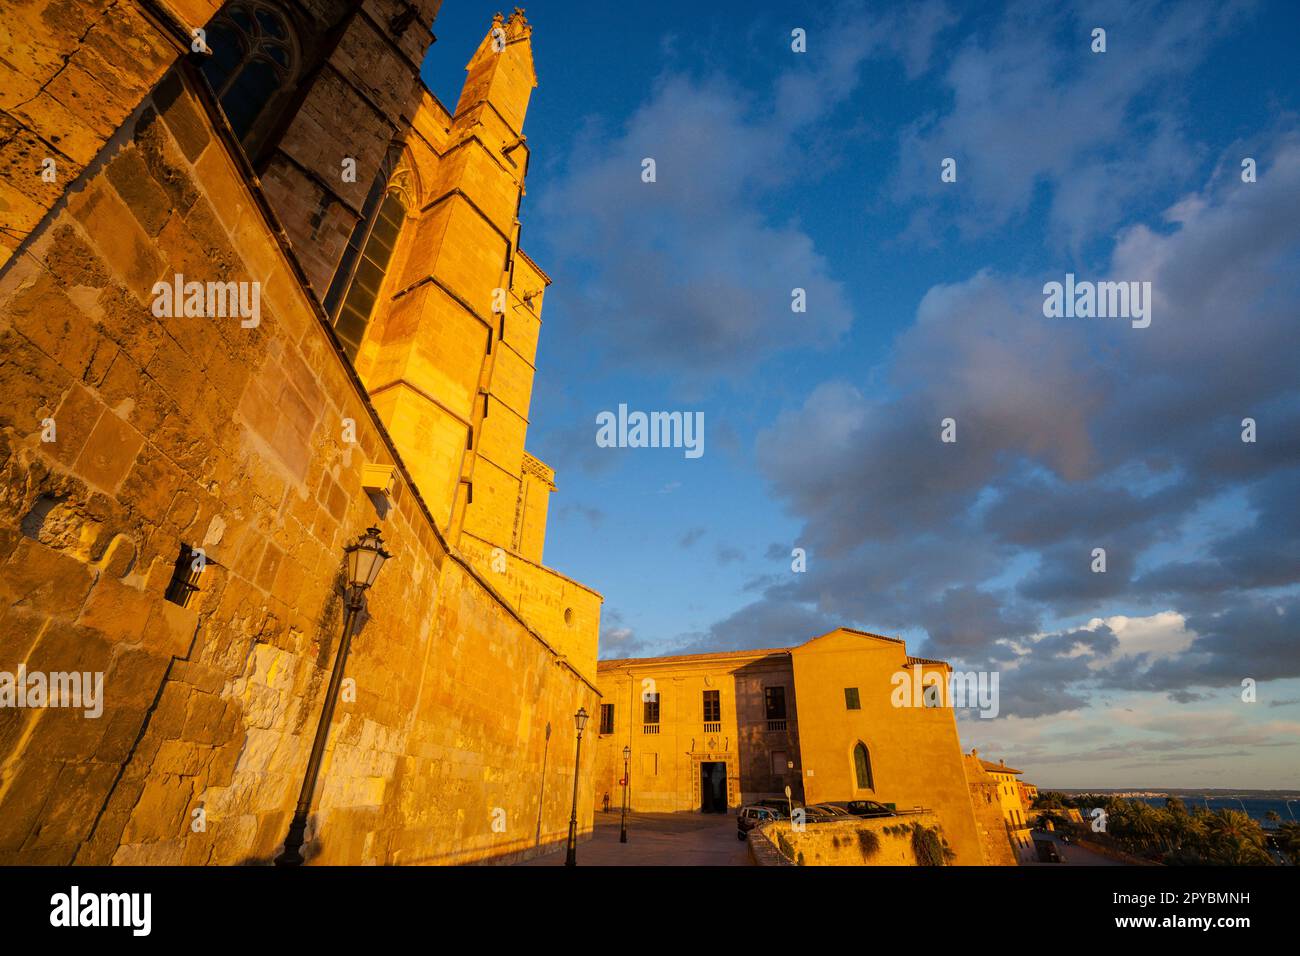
{"x": 650, "y": 729}
{"x": 775, "y": 726}
{"x": 713, "y": 726}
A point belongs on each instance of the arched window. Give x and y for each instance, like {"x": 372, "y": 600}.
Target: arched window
{"x": 354, "y": 315}
{"x": 253, "y": 60}
{"x": 355, "y": 287}
{"x": 862, "y": 767}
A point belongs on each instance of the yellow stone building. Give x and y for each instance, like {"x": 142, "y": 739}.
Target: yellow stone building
{"x": 1010, "y": 793}
{"x": 356, "y": 346}
{"x": 833, "y": 718}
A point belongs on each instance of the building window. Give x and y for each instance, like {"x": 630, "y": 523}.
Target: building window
{"x": 253, "y": 61}
{"x": 712, "y": 706}
{"x": 606, "y": 718}
{"x": 364, "y": 283}
{"x": 862, "y": 767}
{"x": 651, "y": 708}
{"x": 774, "y": 702}
{"x": 851, "y": 701}
{"x": 779, "y": 761}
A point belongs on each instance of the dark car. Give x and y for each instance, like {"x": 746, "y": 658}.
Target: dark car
{"x": 778, "y": 805}
{"x": 752, "y": 816}
{"x": 815, "y": 814}
{"x": 868, "y": 808}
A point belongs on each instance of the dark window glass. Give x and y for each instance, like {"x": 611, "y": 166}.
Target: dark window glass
{"x": 851, "y": 698}
{"x": 251, "y": 59}
{"x": 606, "y": 718}
{"x": 712, "y": 706}
{"x": 360, "y": 300}
{"x": 774, "y": 701}
{"x": 652, "y": 708}
{"x": 244, "y": 99}
{"x": 862, "y": 767}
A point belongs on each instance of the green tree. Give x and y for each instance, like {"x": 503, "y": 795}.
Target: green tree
{"x": 1288, "y": 839}
{"x": 1233, "y": 839}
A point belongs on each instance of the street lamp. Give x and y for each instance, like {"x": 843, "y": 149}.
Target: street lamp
{"x": 571, "y": 858}
{"x": 363, "y": 561}
{"x": 622, "y": 833}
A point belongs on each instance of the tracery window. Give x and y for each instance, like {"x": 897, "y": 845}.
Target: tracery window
{"x": 253, "y": 58}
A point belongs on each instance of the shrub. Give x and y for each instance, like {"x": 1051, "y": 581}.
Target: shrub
{"x": 929, "y": 846}
{"x": 868, "y": 843}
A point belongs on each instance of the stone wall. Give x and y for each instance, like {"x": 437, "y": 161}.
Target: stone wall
{"x": 839, "y": 844}
{"x": 70, "y": 73}
{"x": 457, "y": 744}
{"x": 987, "y": 804}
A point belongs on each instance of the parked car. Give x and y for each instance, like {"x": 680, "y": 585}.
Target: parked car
{"x": 868, "y": 808}
{"x": 831, "y": 810}
{"x": 818, "y": 813}
{"x": 778, "y": 805}
{"x": 752, "y": 816}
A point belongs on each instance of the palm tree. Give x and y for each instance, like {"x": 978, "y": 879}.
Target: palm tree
{"x": 1234, "y": 839}
{"x": 1288, "y": 840}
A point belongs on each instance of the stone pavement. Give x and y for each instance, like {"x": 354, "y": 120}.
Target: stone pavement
{"x": 1071, "y": 854}
{"x": 659, "y": 839}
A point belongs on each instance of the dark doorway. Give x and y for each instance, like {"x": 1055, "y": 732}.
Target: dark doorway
{"x": 713, "y": 787}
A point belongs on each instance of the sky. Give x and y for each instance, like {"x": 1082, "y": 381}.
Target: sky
{"x": 820, "y": 170}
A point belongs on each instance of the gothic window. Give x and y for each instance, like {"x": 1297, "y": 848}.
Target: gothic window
{"x": 354, "y": 314}
{"x": 862, "y": 767}
{"x": 354, "y": 289}
{"x": 253, "y": 60}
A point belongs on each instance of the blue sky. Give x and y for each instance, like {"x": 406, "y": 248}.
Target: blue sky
{"x": 820, "y": 170}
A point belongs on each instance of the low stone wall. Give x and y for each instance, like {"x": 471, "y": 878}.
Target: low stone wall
{"x": 883, "y": 841}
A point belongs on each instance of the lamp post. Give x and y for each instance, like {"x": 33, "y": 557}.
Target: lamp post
{"x": 364, "y": 559}
{"x": 622, "y": 833}
{"x": 571, "y": 858}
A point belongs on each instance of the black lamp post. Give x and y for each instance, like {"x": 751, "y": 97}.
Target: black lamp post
{"x": 622, "y": 833}
{"x": 571, "y": 858}
{"x": 364, "y": 559}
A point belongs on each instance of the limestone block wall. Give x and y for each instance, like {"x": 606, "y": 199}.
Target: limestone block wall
{"x": 456, "y": 743}
{"x": 563, "y": 611}
{"x": 70, "y": 73}
{"x": 987, "y": 806}
{"x": 838, "y": 844}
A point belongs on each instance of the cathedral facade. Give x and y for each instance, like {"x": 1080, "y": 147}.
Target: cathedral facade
{"x": 259, "y": 291}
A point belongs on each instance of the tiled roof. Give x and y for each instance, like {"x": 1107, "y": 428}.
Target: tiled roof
{"x": 992, "y": 767}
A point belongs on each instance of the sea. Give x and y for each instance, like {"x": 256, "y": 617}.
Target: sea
{"x": 1255, "y": 807}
